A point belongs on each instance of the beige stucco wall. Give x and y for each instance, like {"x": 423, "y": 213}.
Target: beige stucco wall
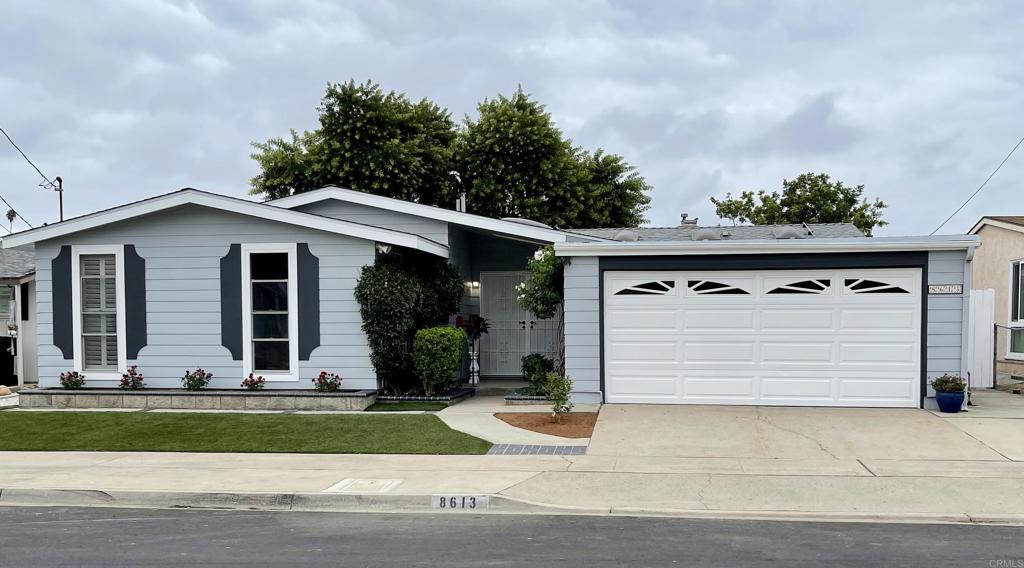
{"x": 991, "y": 269}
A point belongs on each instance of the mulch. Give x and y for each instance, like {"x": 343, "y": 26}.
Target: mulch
{"x": 572, "y": 425}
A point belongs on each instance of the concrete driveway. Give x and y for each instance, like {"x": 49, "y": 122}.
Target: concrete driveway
{"x": 759, "y": 432}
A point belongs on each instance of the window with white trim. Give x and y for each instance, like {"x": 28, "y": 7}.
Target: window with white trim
{"x": 270, "y": 298}
{"x": 1017, "y": 309}
{"x": 97, "y": 302}
{"x": 99, "y": 312}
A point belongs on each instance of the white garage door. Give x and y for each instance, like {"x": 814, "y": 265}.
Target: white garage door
{"x": 786, "y": 337}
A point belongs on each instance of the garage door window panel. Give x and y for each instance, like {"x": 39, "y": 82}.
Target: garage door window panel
{"x": 865, "y": 286}
{"x": 708, "y": 287}
{"x": 657, "y": 288}
{"x": 803, "y": 287}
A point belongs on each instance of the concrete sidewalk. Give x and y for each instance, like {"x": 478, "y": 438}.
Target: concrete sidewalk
{"x": 722, "y": 487}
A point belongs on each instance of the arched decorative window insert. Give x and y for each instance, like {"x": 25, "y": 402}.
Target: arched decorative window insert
{"x": 656, "y": 288}
{"x": 863, "y": 286}
{"x": 710, "y": 287}
{"x": 803, "y": 287}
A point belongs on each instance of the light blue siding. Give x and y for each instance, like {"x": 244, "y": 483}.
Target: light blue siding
{"x": 429, "y": 228}
{"x": 582, "y": 330}
{"x": 182, "y": 249}
{"x": 947, "y": 316}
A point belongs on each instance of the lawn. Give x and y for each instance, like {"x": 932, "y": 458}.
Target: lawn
{"x": 191, "y": 432}
{"x": 406, "y": 405}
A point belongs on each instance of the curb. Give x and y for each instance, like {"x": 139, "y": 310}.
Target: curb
{"x": 399, "y": 503}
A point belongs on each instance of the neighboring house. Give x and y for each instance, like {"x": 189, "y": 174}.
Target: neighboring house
{"x": 796, "y": 315}
{"x": 17, "y": 317}
{"x": 997, "y": 265}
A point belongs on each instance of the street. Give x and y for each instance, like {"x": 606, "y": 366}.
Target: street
{"x": 60, "y": 536}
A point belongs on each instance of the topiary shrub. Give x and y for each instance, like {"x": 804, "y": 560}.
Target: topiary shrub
{"x": 398, "y": 295}
{"x": 387, "y": 297}
{"x": 437, "y": 354}
{"x": 535, "y": 368}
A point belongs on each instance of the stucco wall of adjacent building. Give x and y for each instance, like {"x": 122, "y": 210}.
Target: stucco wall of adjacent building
{"x": 991, "y": 269}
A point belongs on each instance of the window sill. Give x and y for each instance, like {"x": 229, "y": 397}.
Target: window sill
{"x": 277, "y": 378}
{"x": 1015, "y": 356}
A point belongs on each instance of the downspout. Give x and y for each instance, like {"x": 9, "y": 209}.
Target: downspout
{"x": 965, "y": 326}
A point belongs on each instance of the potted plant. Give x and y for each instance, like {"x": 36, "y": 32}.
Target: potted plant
{"x": 949, "y": 392}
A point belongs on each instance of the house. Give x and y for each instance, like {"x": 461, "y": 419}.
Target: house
{"x": 997, "y": 266}
{"x": 801, "y": 315}
{"x": 17, "y": 319}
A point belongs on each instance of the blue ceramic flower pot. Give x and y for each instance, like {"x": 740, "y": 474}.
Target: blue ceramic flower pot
{"x": 950, "y": 401}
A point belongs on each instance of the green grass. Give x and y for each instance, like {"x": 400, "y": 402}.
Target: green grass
{"x": 185, "y": 432}
{"x": 406, "y": 405}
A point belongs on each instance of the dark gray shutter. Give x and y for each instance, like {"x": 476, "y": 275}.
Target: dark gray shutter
{"x": 134, "y": 302}
{"x": 62, "y": 317}
{"x": 309, "y": 301}
{"x": 231, "y": 301}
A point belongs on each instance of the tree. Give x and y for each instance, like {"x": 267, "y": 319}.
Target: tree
{"x": 514, "y": 162}
{"x": 810, "y": 198}
{"x": 618, "y": 194}
{"x": 511, "y": 161}
{"x": 11, "y": 216}
{"x": 368, "y": 140}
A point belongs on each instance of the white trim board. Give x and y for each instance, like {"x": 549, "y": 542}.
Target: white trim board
{"x": 985, "y": 221}
{"x": 293, "y": 312}
{"x": 76, "y": 309}
{"x": 224, "y": 203}
{"x": 764, "y": 246}
{"x": 427, "y": 211}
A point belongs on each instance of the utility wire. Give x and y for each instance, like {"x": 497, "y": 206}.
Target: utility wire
{"x": 47, "y": 183}
{"x": 980, "y": 187}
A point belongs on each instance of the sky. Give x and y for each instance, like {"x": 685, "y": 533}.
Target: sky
{"x": 918, "y": 101}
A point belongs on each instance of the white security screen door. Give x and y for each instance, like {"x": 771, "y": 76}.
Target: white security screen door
{"x": 514, "y": 332}
{"x": 784, "y": 337}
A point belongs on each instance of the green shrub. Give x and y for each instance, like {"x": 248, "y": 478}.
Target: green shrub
{"x": 437, "y": 354}
{"x": 397, "y": 295}
{"x": 559, "y": 387}
{"x": 949, "y": 383}
{"x": 535, "y": 368}
{"x": 542, "y": 293}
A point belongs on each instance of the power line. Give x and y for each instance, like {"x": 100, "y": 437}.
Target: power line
{"x": 980, "y": 187}
{"x": 47, "y": 183}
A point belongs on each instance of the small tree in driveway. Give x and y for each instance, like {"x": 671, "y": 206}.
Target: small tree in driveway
{"x": 543, "y": 292}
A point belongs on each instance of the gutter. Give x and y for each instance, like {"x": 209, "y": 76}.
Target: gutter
{"x": 762, "y": 246}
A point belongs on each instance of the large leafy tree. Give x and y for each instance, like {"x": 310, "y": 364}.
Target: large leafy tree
{"x": 617, "y": 195}
{"x": 810, "y": 198}
{"x": 368, "y": 140}
{"x": 511, "y": 161}
{"x": 514, "y": 162}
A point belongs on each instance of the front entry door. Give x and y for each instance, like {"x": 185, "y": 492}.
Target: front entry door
{"x": 514, "y": 332}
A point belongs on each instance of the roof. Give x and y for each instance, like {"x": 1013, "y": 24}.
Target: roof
{"x": 1011, "y": 222}
{"x": 17, "y": 263}
{"x": 519, "y": 228}
{"x": 189, "y": 196}
{"x": 765, "y": 246}
{"x": 737, "y": 233}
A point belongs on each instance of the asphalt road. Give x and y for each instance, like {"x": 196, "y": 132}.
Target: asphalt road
{"x": 61, "y": 536}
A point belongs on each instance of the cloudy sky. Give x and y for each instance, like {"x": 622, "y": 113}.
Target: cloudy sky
{"x": 918, "y": 101}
